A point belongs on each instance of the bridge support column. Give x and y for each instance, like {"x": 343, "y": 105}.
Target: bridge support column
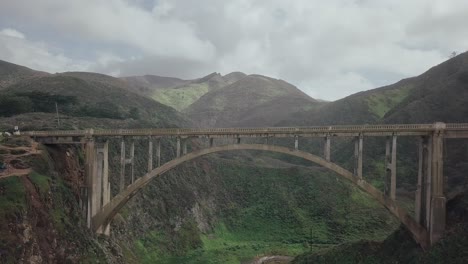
{"x": 358, "y": 146}
{"x": 89, "y": 172}
{"x": 238, "y": 140}
{"x": 150, "y": 153}
{"x": 393, "y": 169}
{"x": 122, "y": 165}
{"x": 184, "y": 146}
{"x": 326, "y": 150}
{"x": 97, "y": 174}
{"x": 388, "y": 169}
{"x": 296, "y": 142}
{"x": 102, "y": 196}
{"x": 158, "y": 152}
{"x": 418, "y": 194}
{"x": 178, "y": 147}
{"x": 132, "y": 160}
{"x": 438, "y": 201}
{"x": 211, "y": 142}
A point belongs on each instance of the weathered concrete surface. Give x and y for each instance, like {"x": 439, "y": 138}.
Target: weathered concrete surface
{"x": 110, "y": 210}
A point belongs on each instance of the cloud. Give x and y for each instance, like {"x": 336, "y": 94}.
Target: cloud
{"x": 16, "y": 48}
{"x": 327, "y": 48}
{"x": 9, "y": 32}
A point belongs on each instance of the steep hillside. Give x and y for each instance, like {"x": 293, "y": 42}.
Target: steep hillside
{"x": 254, "y": 100}
{"x": 11, "y": 73}
{"x": 400, "y": 247}
{"x": 182, "y": 96}
{"x": 439, "y": 94}
{"x": 84, "y": 94}
{"x": 148, "y": 84}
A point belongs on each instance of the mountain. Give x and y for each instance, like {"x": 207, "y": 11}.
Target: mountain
{"x": 85, "y": 95}
{"x": 11, "y": 73}
{"x": 148, "y": 84}
{"x": 439, "y": 94}
{"x": 254, "y": 100}
{"x": 185, "y": 93}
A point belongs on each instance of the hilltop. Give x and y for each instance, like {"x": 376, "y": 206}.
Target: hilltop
{"x": 254, "y": 100}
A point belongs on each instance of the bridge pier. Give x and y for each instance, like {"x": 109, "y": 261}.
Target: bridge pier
{"x": 150, "y": 153}
{"x": 358, "y": 146}
{"x": 97, "y": 175}
{"x": 326, "y": 150}
{"x": 393, "y": 169}
{"x": 296, "y": 142}
{"x": 178, "y": 147}
{"x": 438, "y": 201}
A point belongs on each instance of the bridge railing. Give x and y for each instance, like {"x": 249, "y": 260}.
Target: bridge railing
{"x": 250, "y": 131}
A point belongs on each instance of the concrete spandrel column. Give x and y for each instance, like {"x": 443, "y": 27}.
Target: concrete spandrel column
{"x": 211, "y": 142}
{"x": 97, "y": 182}
{"x": 178, "y": 147}
{"x": 132, "y": 160}
{"x": 438, "y": 201}
{"x": 150, "y": 154}
{"x": 184, "y": 146}
{"x": 158, "y": 152}
{"x": 123, "y": 161}
{"x": 356, "y": 155}
{"x": 393, "y": 169}
{"x": 360, "y": 147}
{"x": 418, "y": 193}
{"x": 428, "y": 183}
{"x": 388, "y": 168}
{"x": 326, "y": 151}
{"x": 89, "y": 171}
{"x": 296, "y": 142}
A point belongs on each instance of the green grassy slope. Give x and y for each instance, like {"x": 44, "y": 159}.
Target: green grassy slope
{"x": 400, "y": 247}
{"x": 254, "y": 100}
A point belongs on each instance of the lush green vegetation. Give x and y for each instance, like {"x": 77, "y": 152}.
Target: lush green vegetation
{"x": 268, "y": 211}
{"x": 381, "y": 103}
{"x": 181, "y": 98}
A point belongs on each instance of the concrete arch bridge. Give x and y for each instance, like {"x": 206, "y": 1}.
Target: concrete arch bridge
{"x": 426, "y": 227}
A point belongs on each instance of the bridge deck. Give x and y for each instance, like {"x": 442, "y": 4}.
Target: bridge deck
{"x": 451, "y": 131}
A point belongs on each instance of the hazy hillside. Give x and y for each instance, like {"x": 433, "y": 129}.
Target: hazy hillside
{"x": 85, "y": 94}
{"x": 439, "y": 94}
{"x": 183, "y": 95}
{"x": 11, "y": 73}
{"x": 148, "y": 84}
{"x": 254, "y": 100}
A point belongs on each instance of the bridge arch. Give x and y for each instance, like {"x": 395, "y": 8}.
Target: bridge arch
{"x": 106, "y": 214}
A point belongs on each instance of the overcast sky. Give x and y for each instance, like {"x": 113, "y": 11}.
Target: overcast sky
{"x": 329, "y": 49}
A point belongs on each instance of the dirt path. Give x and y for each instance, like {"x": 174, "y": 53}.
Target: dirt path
{"x": 9, "y": 157}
